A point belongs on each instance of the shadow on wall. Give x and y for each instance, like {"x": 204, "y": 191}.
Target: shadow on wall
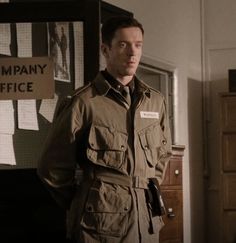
{"x": 196, "y": 164}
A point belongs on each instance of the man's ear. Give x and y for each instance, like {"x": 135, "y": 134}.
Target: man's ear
{"x": 104, "y": 49}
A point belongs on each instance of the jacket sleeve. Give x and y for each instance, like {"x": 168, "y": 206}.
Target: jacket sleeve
{"x": 57, "y": 164}
{"x": 166, "y": 145}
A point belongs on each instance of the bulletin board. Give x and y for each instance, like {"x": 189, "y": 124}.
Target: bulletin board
{"x": 43, "y": 29}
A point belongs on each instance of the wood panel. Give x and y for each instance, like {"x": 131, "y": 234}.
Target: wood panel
{"x": 227, "y": 170}
{"x": 229, "y": 191}
{"x": 229, "y": 231}
{"x": 229, "y": 151}
{"x": 228, "y": 118}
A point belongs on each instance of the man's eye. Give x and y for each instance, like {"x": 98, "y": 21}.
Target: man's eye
{"x": 122, "y": 45}
{"x": 139, "y": 45}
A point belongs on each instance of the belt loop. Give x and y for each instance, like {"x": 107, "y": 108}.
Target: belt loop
{"x": 140, "y": 182}
{"x": 136, "y": 181}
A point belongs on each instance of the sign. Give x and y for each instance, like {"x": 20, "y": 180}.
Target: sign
{"x": 26, "y": 78}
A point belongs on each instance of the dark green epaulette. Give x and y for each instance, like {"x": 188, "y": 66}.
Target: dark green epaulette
{"x": 66, "y": 101}
{"x": 155, "y": 90}
{"x": 80, "y": 90}
{"x": 150, "y": 88}
{"x": 62, "y": 105}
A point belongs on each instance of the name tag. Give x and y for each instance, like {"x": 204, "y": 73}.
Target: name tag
{"x": 149, "y": 114}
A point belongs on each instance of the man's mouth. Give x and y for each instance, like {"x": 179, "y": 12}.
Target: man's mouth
{"x": 131, "y": 62}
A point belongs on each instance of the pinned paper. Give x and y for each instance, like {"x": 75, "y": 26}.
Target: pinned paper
{"x": 7, "y": 117}
{"x": 5, "y": 39}
{"x": 47, "y": 108}
{"x": 7, "y": 154}
{"x": 79, "y": 54}
{"x": 24, "y": 39}
{"x": 27, "y": 115}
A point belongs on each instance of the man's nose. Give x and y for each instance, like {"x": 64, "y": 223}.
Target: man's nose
{"x": 131, "y": 50}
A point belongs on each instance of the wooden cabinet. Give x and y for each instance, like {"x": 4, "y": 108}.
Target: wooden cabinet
{"x": 227, "y": 172}
{"x": 172, "y": 193}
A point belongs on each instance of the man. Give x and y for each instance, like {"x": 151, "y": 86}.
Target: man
{"x": 121, "y": 144}
{"x": 63, "y": 46}
{"x": 54, "y": 42}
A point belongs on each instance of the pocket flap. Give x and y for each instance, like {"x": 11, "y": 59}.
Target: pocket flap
{"x": 151, "y": 137}
{"x": 107, "y": 200}
{"x": 105, "y": 138}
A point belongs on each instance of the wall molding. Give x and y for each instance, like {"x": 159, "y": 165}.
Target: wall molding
{"x": 221, "y": 46}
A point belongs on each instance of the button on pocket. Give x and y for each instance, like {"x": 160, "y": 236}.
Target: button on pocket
{"x": 152, "y": 141}
{"x": 164, "y": 142}
{"x": 106, "y": 146}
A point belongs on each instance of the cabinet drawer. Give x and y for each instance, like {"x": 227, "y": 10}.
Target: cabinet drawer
{"x": 172, "y": 231}
{"x": 175, "y": 172}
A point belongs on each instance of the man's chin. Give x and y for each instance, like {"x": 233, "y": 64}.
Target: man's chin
{"x": 130, "y": 72}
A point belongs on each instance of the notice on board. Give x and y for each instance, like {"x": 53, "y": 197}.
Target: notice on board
{"x": 26, "y": 78}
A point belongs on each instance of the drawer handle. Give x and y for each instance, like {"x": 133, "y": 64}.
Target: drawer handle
{"x": 170, "y": 213}
{"x": 176, "y": 172}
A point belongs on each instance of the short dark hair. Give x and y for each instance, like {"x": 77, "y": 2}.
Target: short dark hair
{"x": 114, "y": 23}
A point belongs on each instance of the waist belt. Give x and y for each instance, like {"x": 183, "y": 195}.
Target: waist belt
{"x": 123, "y": 180}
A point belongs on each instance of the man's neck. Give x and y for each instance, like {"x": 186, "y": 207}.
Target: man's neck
{"x": 122, "y": 79}
{"x": 125, "y": 80}
{"x": 116, "y": 83}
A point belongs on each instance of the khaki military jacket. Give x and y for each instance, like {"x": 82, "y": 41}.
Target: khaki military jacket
{"x": 117, "y": 148}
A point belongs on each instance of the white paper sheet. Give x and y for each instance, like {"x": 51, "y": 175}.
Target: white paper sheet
{"x": 47, "y": 108}
{"x": 79, "y": 54}
{"x": 7, "y": 117}
{"x": 7, "y": 154}
{"x": 27, "y": 115}
{"x": 5, "y": 39}
{"x": 24, "y": 39}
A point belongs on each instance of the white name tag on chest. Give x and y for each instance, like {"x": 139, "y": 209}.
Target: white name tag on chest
{"x": 149, "y": 114}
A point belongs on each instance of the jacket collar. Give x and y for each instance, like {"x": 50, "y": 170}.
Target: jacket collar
{"x": 103, "y": 86}
{"x": 141, "y": 87}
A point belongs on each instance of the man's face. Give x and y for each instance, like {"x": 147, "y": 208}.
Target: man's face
{"x": 124, "y": 53}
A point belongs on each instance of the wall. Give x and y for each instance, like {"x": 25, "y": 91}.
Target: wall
{"x": 173, "y": 36}
{"x": 220, "y": 39}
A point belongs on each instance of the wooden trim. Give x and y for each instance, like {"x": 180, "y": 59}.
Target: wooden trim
{"x": 91, "y": 39}
{"x": 109, "y": 10}
{"x": 41, "y": 12}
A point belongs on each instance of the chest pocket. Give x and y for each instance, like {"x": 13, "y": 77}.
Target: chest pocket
{"x": 106, "y": 146}
{"x": 153, "y": 143}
